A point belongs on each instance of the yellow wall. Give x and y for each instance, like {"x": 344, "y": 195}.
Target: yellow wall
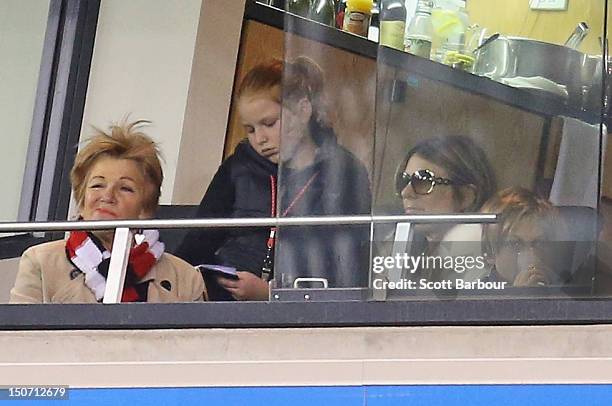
{"x": 514, "y": 17}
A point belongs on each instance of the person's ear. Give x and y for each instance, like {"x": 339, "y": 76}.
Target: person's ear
{"x": 304, "y": 109}
{"x": 467, "y": 197}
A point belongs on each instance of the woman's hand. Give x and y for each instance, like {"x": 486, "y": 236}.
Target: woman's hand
{"x": 247, "y": 287}
{"x": 532, "y": 276}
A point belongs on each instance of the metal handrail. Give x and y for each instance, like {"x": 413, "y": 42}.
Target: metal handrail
{"x": 123, "y": 232}
{"x": 13, "y": 227}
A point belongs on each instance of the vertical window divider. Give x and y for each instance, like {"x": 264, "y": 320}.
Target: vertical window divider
{"x": 58, "y": 112}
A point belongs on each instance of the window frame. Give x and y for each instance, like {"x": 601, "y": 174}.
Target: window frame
{"x": 469, "y": 312}
{"x": 57, "y": 126}
{"x": 58, "y": 112}
{"x": 57, "y": 117}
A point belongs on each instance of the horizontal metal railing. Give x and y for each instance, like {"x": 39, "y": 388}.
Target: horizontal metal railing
{"x": 13, "y": 227}
{"x": 123, "y": 232}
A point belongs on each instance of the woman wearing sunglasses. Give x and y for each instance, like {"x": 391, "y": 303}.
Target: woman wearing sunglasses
{"x": 445, "y": 175}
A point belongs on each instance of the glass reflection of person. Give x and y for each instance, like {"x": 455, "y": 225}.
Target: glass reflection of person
{"x": 116, "y": 175}
{"x": 445, "y": 175}
{"x": 246, "y": 184}
{"x": 243, "y": 186}
{"x": 318, "y": 177}
{"x": 521, "y": 246}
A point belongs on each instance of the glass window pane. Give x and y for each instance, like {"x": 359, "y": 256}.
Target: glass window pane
{"x": 325, "y": 159}
{"x": 22, "y": 32}
{"x": 513, "y": 128}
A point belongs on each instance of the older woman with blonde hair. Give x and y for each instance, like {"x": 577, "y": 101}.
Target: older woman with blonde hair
{"x": 116, "y": 176}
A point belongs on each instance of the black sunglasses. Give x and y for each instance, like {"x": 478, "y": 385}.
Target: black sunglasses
{"x": 421, "y": 181}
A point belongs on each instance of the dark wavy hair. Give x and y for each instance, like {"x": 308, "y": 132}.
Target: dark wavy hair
{"x": 465, "y": 162}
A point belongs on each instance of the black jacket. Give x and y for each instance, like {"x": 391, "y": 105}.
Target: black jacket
{"x": 240, "y": 188}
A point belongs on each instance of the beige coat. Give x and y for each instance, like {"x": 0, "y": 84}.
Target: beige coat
{"x": 46, "y": 276}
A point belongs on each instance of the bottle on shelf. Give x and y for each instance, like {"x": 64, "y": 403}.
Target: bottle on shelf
{"x": 450, "y": 22}
{"x": 299, "y": 7}
{"x": 374, "y": 30}
{"x": 324, "y": 12}
{"x": 392, "y": 23}
{"x": 420, "y": 31}
{"x": 357, "y": 16}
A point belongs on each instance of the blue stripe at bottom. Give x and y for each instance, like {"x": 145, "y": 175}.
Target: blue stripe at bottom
{"x": 413, "y": 395}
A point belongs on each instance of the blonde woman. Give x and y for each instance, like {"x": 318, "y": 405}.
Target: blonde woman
{"x": 116, "y": 176}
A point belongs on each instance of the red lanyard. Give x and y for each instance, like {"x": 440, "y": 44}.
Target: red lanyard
{"x": 266, "y": 269}
{"x": 295, "y": 200}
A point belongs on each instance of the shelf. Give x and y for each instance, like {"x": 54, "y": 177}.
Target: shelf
{"x": 310, "y": 29}
{"x": 540, "y": 103}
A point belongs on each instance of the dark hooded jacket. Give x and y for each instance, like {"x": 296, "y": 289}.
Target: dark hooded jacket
{"x": 240, "y": 188}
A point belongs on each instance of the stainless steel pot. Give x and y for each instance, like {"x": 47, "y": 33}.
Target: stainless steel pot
{"x": 509, "y": 57}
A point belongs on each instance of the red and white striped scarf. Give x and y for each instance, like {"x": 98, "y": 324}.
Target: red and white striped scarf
{"x": 88, "y": 255}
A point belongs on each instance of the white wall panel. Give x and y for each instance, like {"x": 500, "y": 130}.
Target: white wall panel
{"x": 142, "y": 66}
{"x": 22, "y": 32}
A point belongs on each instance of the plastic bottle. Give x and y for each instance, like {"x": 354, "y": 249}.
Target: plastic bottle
{"x": 357, "y": 16}
{"x": 420, "y": 31}
{"x": 393, "y": 23}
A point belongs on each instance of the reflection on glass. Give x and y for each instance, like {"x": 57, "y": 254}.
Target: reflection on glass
{"x": 543, "y": 147}
{"x": 318, "y": 177}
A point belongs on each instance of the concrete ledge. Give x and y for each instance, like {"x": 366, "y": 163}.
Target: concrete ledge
{"x": 303, "y": 357}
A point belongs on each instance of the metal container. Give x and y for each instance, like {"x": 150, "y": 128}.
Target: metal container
{"x": 509, "y": 57}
